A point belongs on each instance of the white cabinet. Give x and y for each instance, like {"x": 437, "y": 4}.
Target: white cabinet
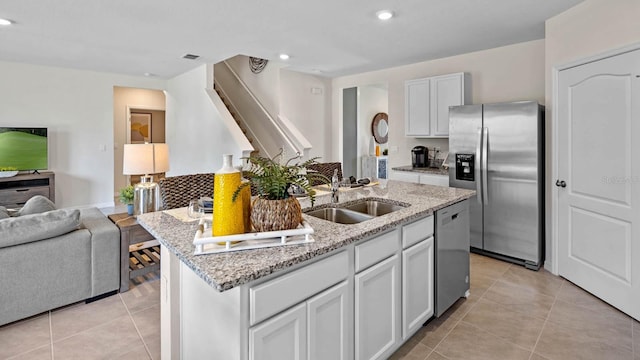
{"x": 283, "y": 337}
{"x": 377, "y": 309}
{"x": 316, "y": 329}
{"x": 417, "y": 286}
{"x": 434, "y": 179}
{"x": 416, "y": 107}
{"x": 405, "y": 176}
{"x": 374, "y": 167}
{"x": 427, "y": 103}
{"x": 329, "y": 316}
{"x": 420, "y": 178}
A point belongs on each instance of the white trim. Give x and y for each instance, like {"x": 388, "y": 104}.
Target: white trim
{"x": 555, "y": 73}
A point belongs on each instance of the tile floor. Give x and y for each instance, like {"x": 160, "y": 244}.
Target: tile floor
{"x": 121, "y": 326}
{"x": 515, "y": 313}
{"x": 512, "y": 313}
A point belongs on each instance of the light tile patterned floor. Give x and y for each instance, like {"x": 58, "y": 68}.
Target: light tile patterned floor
{"x": 122, "y": 326}
{"x": 512, "y": 313}
{"x": 515, "y": 313}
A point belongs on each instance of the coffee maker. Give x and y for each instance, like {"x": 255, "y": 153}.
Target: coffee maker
{"x": 419, "y": 156}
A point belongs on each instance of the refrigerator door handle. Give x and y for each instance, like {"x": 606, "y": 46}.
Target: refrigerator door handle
{"x": 485, "y": 162}
{"x": 477, "y": 167}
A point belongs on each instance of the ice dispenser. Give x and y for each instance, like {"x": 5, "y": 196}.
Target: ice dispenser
{"x": 464, "y": 167}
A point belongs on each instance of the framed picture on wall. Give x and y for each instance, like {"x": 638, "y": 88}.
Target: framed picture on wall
{"x": 140, "y": 128}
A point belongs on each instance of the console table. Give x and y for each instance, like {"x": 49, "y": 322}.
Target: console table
{"x": 16, "y": 190}
{"x": 139, "y": 261}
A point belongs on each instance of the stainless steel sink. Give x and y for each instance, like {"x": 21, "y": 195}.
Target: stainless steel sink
{"x": 339, "y": 215}
{"x": 374, "y": 207}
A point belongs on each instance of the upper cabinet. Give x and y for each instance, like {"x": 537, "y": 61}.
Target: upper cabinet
{"x": 427, "y": 103}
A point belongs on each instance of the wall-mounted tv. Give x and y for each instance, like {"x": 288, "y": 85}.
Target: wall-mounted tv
{"x": 24, "y": 148}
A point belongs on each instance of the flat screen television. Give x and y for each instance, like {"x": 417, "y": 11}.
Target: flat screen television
{"x": 24, "y": 148}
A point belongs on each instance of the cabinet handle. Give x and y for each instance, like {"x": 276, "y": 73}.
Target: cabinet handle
{"x": 560, "y": 183}
{"x": 22, "y": 190}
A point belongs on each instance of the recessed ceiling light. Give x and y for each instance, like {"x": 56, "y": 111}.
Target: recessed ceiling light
{"x": 284, "y": 57}
{"x": 384, "y": 14}
{"x": 5, "y": 22}
{"x": 148, "y": 74}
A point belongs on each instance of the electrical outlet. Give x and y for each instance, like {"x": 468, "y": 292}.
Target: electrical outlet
{"x": 393, "y": 149}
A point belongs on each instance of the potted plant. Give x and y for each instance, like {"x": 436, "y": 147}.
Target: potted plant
{"x": 275, "y": 208}
{"x": 8, "y": 171}
{"x": 126, "y": 197}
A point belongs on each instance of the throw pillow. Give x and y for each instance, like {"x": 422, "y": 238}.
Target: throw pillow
{"x": 34, "y": 227}
{"x": 4, "y": 213}
{"x": 36, "y": 205}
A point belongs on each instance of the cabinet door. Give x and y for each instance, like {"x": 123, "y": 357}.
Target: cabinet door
{"x": 282, "y": 337}
{"x": 405, "y": 176}
{"x": 329, "y": 329}
{"x": 377, "y": 308}
{"x": 446, "y": 90}
{"x": 416, "y": 107}
{"x": 439, "y": 180}
{"x": 417, "y": 286}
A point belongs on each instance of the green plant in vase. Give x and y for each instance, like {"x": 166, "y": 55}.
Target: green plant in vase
{"x": 126, "y": 197}
{"x": 275, "y": 208}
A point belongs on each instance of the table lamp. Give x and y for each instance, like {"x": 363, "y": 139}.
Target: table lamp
{"x": 145, "y": 159}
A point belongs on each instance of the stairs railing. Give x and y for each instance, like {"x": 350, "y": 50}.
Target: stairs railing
{"x": 270, "y": 135}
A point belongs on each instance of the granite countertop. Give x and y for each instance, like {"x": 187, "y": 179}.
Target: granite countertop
{"x": 434, "y": 171}
{"x": 227, "y": 270}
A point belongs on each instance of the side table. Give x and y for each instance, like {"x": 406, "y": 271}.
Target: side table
{"x": 135, "y": 262}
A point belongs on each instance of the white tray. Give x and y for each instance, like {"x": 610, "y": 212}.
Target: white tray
{"x": 247, "y": 241}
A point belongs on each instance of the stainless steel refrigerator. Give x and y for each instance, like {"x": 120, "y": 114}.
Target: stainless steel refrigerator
{"x": 498, "y": 150}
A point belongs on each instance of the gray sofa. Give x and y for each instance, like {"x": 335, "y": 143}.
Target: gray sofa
{"x": 56, "y": 258}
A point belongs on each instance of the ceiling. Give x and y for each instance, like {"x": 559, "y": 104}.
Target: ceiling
{"x": 328, "y": 37}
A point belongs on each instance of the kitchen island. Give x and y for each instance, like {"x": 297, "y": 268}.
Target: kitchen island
{"x": 225, "y": 306}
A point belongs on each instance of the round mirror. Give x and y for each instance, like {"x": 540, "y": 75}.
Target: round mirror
{"x": 380, "y": 127}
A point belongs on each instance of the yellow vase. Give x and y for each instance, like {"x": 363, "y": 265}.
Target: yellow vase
{"x": 227, "y": 214}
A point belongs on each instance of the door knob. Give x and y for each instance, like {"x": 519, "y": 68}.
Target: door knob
{"x": 561, "y": 183}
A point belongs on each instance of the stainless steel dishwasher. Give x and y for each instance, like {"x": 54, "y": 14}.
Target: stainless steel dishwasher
{"x": 451, "y": 255}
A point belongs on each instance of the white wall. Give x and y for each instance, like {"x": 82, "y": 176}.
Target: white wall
{"x": 289, "y": 93}
{"x": 196, "y": 135}
{"x": 509, "y": 73}
{"x": 135, "y": 98}
{"x": 590, "y": 28}
{"x": 263, "y": 85}
{"x": 305, "y": 100}
{"x": 77, "y": 107}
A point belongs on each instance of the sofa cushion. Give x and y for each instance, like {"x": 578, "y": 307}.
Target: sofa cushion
{"x": 36, "y": 205}
{"x": 3, "y": 213}
{"x": 34, "y": 227}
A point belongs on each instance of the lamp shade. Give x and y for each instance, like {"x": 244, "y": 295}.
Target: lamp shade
{"x": 145, "y": 159}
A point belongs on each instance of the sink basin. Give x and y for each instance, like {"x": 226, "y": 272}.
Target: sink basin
{"x": 374, "y": 207}
{"x": 341, "y": 216}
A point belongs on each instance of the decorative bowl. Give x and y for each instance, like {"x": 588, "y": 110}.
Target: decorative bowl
{"x": 8, "y": 173}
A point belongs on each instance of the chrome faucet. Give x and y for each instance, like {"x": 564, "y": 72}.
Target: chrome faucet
{"x": 335, "y": 185}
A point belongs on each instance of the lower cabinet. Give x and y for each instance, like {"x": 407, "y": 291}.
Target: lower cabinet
{"x": 377, "y": 301}
{"x": 417, "y": 286}
{"x": 315, "y": 329}
{"x": 282, "y": 337}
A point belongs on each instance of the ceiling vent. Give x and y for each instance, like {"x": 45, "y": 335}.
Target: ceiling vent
{"x": 191, "y": 56}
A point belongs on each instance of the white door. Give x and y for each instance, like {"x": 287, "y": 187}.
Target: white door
{"x": 377, "y": 309}
{"x": 417, "y": 286}
{"x": 599, "y": 179}
{"x": 328, "y": 324}
{"x": 283, "y": 337}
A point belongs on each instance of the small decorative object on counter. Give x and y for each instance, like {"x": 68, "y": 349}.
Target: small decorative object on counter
{"x": 377, "y": 150}
{"x": 275, "y": 208}
{"x": 227, "y": 213}
{"x": 372, "y": 146}
{"x": 126, "y": 197}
